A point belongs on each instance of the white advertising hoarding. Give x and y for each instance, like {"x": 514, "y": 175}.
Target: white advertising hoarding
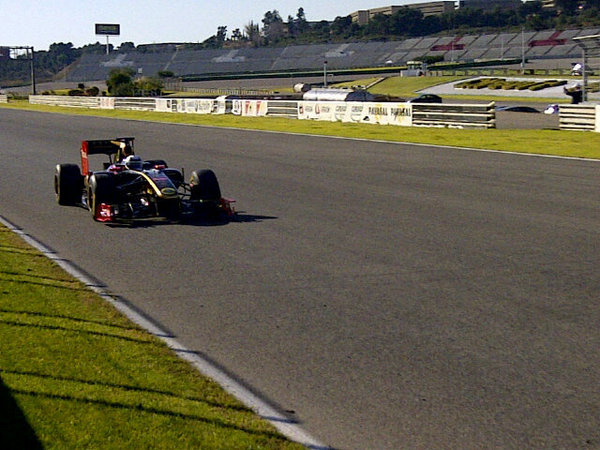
{"x": 358, "y": 112}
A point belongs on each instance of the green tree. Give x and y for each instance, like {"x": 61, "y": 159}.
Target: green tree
{"x": 568, "y": 7}
{"x": 120, "y": 82}
{"x": 273, "y": 29}
{"x": 252, "y": 32}
{"x": 300, "y": 21}
{"x": 148, "y": 86}
{"x": 127, "y": 47}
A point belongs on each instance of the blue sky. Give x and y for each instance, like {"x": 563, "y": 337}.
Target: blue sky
{"x": 40, "y": 23}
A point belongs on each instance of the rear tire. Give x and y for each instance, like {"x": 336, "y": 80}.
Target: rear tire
{"x": 68, "y": 184}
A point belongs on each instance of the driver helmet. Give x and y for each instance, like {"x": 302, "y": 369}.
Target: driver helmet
{"x": 134, "y": 162}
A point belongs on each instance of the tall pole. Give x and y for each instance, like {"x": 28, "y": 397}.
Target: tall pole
{"x": 523, "y": 49}
{"x": 33, "y": 91}
{"x": 584, "y": 76}
{"x": 324, "y": 73}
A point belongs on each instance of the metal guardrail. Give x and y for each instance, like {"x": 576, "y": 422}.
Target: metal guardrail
{"x": 61, "y": 100}
{"x": 577, "y": 117}
{"x": 3, "y": 98}
{"x": 282, "y": 108}
{"x": 571, "y": 117}
{"x": 454, "y": 115}
{"x": 136, "y": 104}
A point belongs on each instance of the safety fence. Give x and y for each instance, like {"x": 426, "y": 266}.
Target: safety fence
{"x": 580, "y": 117}
{"x": 383, "y": 113}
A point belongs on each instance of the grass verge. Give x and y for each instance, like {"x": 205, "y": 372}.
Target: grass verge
{"x": 74, "y": 373}
{"x": 547, "y": 142}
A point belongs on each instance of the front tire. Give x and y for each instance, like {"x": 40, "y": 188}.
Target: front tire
{"x": 101, "y": 190}
{"x": 204, "y": 186}
{"x": 68, "y": 184}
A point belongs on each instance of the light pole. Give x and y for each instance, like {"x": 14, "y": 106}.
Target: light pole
{"x": 33, "y": 90}
{"x": 325, "y": 73}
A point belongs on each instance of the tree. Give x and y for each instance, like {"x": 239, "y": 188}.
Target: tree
{"x": 378, "y": 26}
{"x": 127, "y": 47}
{"x": 592, "y": 4}
{"x": 273, "y": 29}
{"x": 217, "y": 40}
{"x": 300, "y": 22}
{"x": 147, "y": 86}
{"x": 407, "y": 22}
{"x": 236, "y": 35}
{"x": 568, "y": 7}
{"x": 252, "y": 32}
{"x": 120, "y": 82}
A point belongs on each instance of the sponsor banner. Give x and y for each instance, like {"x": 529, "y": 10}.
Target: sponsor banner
{"x": 357, "y": 112}
{"x": 318, "y": 110}
{"x": 164, "y": 105}
{"x": 185, "y": 105}
{"x": 253, "y": 108}
{"x": 389, "y": 114}
{"x": 107, "y": 103}
{"x": 195, "y": 106}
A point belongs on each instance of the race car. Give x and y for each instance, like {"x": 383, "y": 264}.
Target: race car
{"x": 129, "y": 188}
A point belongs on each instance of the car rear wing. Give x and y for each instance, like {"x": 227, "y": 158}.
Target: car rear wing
{"x": 113, "y": 148}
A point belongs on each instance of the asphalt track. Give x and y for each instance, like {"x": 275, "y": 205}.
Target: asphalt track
{"x": 386, "y": 296}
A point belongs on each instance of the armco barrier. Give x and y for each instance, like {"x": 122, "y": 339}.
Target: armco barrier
{"x": 579, "y": 117}
{"x": 385, "y": 113}
{"x": 454, "y": 115}
{"x": 61, "y": 100}
{"x": 282, "y": 108}
{"x": 136, "y": 104}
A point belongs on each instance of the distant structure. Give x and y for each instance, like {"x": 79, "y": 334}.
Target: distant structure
{"x": 490, "y": 4}
{"x": 363, "y": 16}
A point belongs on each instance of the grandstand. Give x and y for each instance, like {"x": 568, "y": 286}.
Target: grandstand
{"x": 549, "y": 44}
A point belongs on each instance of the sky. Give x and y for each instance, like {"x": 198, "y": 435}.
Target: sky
{"x": 40, "y": 23}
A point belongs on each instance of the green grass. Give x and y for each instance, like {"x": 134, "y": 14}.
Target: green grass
{"x": 548, "y": 142}
{"x": 409, "y": 86}
{"x": 74, "y": 373}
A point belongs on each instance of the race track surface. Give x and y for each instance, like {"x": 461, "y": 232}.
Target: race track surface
{"x": 387, "y": 296}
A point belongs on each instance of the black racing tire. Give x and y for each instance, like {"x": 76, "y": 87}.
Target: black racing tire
{"x": 101, "y": 190}
{"x": 68, "y": 184}
{"x": 204, "y": 186}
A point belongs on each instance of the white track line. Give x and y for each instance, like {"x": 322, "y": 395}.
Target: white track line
{"x": 288, "y": 427}
{"x": 378, "y": 141}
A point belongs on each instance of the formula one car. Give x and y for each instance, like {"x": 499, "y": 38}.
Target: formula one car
{"x": 130, "y": 188}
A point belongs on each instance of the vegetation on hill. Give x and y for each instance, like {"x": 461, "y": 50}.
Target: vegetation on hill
{"x": 275, "y": 31}
{"x": 408, "y": 22}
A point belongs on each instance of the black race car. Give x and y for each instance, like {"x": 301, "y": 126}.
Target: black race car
{"x": 130, "y": 188}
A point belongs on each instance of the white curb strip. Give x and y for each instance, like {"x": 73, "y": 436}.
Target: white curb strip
{"x": 288, "y": 427}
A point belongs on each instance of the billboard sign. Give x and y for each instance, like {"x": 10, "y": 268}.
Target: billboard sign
{"x": 109, "y": 29}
